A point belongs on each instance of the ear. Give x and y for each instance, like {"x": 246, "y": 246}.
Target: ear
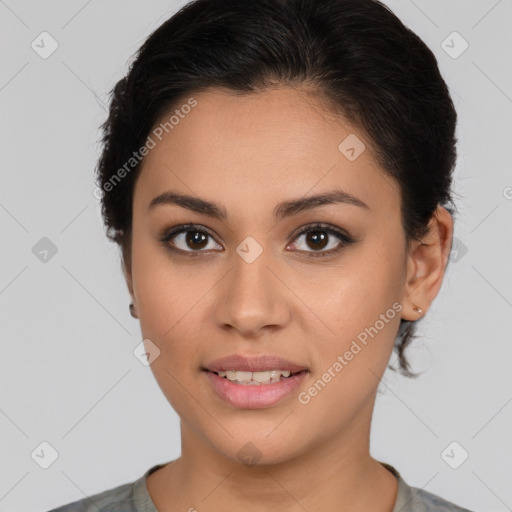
{"x": 426, "y": 264}
{"x": 126, "y": 265}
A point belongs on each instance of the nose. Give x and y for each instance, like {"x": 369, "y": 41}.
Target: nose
{"x": 252, "y": 299}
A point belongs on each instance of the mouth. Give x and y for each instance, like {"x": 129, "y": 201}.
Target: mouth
{"x": 254, "y": 382}
{"x": 252, "y": 394}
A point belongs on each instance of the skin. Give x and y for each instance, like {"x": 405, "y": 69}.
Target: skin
{"x": 248, "y": 153}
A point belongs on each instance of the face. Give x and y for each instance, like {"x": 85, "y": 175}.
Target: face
{"x": 267, "y": 272}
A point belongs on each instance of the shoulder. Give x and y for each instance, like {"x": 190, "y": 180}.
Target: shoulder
{"x": 129, "y": 497}
{"x": 117, "y": 498}
{"x": 427, "y": 502}
{"x": 413, "y": 499}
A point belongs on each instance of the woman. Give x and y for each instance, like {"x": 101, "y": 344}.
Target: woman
{"x": 277, "y": 175}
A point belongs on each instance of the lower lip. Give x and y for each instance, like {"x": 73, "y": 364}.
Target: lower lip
{"x": 247, "y": 396}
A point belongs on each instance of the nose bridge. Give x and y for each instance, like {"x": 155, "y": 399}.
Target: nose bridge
{"x": 251, "y": 296}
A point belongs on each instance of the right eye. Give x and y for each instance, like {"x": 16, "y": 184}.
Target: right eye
{"x": 188, "y": 238}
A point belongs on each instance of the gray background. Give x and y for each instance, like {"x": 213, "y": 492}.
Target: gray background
{"x": 68, "y": 374}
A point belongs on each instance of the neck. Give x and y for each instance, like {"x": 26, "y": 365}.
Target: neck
{"x": 338, "y": 474}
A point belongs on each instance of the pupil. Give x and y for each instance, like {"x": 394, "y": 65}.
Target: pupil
{"x": 318, "y": 239}
{"x": 196, "y": 240}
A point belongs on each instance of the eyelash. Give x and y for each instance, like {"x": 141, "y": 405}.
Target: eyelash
{"x": 170, "y": 234}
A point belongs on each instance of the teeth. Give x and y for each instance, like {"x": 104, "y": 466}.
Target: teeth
{"x": 254, "y": 378}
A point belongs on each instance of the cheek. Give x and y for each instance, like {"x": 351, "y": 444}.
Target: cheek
{"x": 355, "y": 291}
{"x": 163, "y": 290}
{"x": 359, "y": 302}
{"x": 349, "y": 364}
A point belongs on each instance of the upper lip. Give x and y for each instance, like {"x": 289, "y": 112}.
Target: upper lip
{"x": 260, "y": 363}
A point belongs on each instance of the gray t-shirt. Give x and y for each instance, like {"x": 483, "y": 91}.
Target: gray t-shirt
{"x": 134, "y": 497}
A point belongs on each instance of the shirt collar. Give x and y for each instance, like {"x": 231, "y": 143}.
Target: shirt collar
{"x": 143, "y": 502}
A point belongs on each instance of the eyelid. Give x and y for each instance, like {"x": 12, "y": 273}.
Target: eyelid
{"x": 321, "y": 226}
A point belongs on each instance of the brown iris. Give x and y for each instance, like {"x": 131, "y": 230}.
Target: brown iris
{"x": 196, "y": 239}
{"x": 317, "y": 239}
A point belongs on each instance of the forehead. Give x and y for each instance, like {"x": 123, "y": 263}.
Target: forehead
{"x": 281, "y": 142}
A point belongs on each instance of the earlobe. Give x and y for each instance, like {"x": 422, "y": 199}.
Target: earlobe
{"x": 132, "y": 310}
{"x": 417, "y": 309}
{"x": 427, "y": 260}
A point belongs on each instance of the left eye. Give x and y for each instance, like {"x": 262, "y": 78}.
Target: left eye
{"x": 317, "y": 240}
{"x": 320, "y": 238}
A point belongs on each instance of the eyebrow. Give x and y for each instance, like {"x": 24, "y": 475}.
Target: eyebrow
{"x": 282, "y": 210}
